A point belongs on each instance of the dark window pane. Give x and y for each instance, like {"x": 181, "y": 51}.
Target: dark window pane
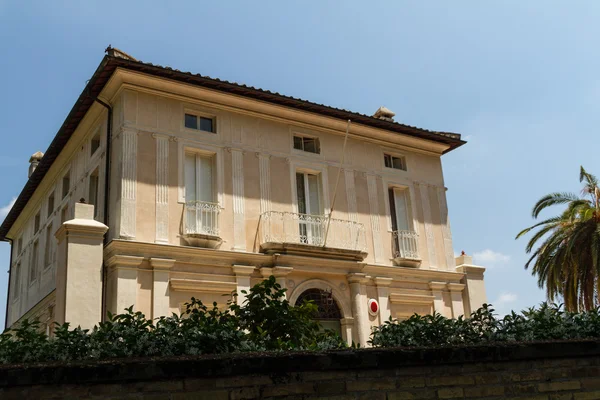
{"x": 298, "y": 143}
{"x": 191, "y": 121}
{"x": 399, "y": 163}
{"x": 388, "y": 160}
{"x": 206, "y": 124}
{"x": 311, "y": 145}
{"x": 301, "y": 193}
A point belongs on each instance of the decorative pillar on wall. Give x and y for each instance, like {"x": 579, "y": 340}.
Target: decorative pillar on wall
{"x": 264, "y": 161}
{"x": 160, "y": 286}
{"x": 347, "y": 324}
{"x": 127, "y": 230}
{"x": 242, "y": 277}
{"x": 438, "y": 297}
{"x": 456, "y": 290}
{"x": 79, "y": 269}
{"x": 375, "y": 219}
{"x": 239, "y": 223}
{"x": 124, "y": 289}
{"x": 383, "y": 298}
{"x": 424, "y": 190}
{"x": 446, "y": 232}
{"x": 162, "y": 188}
{"x": 279, "y": 273}
{"x": 351, "y": 195}
{"x": 358, "y": 295}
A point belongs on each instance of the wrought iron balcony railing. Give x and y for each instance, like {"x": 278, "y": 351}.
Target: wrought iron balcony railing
{"x": 304, "y": 229}
{"x": 405, "y": 245}
{"x": 201, "y": 218}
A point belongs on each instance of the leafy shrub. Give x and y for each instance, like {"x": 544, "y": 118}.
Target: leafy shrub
{"x": 548, "y": 322}
{"x": 266, "y": 321}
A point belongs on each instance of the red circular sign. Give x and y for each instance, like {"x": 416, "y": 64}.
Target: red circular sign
{"x": 373, "y": 307}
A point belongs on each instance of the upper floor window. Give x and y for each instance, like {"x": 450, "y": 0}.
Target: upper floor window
{"x": 395, "y": 162}
{"x": 64, "y": 214}
{"x": 93, "y": 191}
{"x": 50, "y": 204}
{"x": 308, "y": 144}
{"x": 36, "y": 223}
{"x": 17, "y": 282}
{"x": 66, "y": 185}
{"x": 33, "y": 267}
{"x": 95, "y": 143}
{"x": 198, "y": 176}
{"x": 201, "y": 123}
{"x": 19, "y": 245}
{"x": 48, "y": 247}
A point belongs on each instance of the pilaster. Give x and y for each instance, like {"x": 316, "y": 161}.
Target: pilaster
{"x": 162, "y": 188}
{"x": 124, "y": 282}
{"x": 351, "y": 195}
{"x": 160, "y": 286}
{"x": 358, "y": 295}
{"x": 446, "y": 232}
{"x": 239, "y": 223}
{"x": 456, "y": 290}
{"x": 424, "y": 190}
{"x": 127, "y": 228}
{"x": 383, "y": 297}
{"x": 375, "y": 219}
{"x": 438, "y": 297}
{"x": 347, "y": 324}
{"x": 264, "y": 166}
{"x": 242, "y": 277}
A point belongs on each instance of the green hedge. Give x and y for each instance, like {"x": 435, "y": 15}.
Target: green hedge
{"x": 548, "y": 322}
{"x": 268, "y": 322}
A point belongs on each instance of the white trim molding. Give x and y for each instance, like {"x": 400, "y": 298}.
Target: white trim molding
{"x": 162, "y": 188}
{"x": 127, "y": 229}
{"x": 264, "y": 166}
{"x": 239, "y": 223}
{"x": 446, "y": 232}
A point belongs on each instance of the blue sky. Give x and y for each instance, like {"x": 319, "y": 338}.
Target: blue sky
{"x": 520, "y": 80}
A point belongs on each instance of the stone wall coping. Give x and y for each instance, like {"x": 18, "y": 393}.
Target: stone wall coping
{"x": 211, "y": 366}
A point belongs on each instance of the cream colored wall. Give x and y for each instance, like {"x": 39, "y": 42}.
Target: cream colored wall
{"x": 77, "y": 160}
{"x": 151, "y": 114}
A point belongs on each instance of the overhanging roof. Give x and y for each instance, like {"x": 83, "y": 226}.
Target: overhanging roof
{"x": 112, "y": 61}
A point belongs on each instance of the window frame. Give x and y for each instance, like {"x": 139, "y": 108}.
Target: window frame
{"x": 319, "y": 169}
{"x": 48, "y": 253}
{"x": 393, "y": 156}
{"x": 200, "y": 114}
{"x": 185, "y": 146}
{"x": 33, "y": 261}
{"x": 410, "y": 198}
{"x": 303, "y": 137}
{"x": 64, "y": 195}
{"x": 17, "y": 281}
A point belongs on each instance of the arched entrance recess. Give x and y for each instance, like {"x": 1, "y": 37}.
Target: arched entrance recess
{"x": 328, "y": 313}
{"x": 341, "y": 308}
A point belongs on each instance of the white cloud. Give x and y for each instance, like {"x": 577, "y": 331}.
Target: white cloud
{"x": 4, "y": 210}
{"x": 489, "y": 256}
{"x": 507, "y": 297}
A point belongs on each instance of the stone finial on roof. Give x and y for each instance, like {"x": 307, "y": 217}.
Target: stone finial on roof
{"x": 114, "y": 52}
{"x": 34, "y": 160}
{"x": 384, "y": 114}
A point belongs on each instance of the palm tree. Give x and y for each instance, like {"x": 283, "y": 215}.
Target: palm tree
{"x": 567, "y": 258}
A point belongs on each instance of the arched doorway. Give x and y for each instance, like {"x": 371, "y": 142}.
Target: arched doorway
{"x": 328, "y": 313}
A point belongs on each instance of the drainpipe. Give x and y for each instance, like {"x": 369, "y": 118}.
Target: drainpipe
{"x": 106, "y": 196}
{"x": 9, "y": 279}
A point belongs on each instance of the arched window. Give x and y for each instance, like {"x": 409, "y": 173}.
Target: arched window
{"x": 328, "y": 309}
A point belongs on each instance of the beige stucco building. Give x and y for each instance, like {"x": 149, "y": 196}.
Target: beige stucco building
{"x": 207, "y": 187}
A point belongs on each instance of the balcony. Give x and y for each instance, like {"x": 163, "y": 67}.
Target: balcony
{"x": 303, "y": 234}
{"x": 201, "y": 224}
{"x": 405, "y": 248}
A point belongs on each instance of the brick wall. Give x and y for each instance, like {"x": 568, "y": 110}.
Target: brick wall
{"x": 557, "y": 370}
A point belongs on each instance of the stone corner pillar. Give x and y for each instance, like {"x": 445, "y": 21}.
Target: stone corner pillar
{"x": 474, "y": 295}
{"x": 383, "y": 298}
{"x": 79, "y": 269}
{"x": 160, "y": 286}
{"x": 438, "y": 297}
{"x": 358, "y": 294}
{"x": 456, "y": 296}
{"x": 242, "y": 278}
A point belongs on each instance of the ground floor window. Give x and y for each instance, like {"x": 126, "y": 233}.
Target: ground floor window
{"x": 328, "y": 313}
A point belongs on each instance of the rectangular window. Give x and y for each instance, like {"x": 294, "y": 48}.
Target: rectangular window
{"x": 64, "y": 214}
{"x": 198, "y": 174}
{"x": 50, "y": 204}
{"x": 93, "y": 191}
{"x": 394, "y": 162}
{"x": 36, "y": 223}
{"x": 48, "y": 249}
{"x": 307, "y": 144}
{"x": 17, "y": 282}
{"x": 399, "y": 209}
{"x": 199, "y": 123}
{"x": 309, "y": 205}
{"x": 33, "y": 268}
{"x": 19, "y": 246}
{"x": 66, "y": 185}
{"x": 95, "y": 143}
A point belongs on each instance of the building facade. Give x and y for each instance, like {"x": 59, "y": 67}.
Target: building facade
{"x": 201, "y": 187}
